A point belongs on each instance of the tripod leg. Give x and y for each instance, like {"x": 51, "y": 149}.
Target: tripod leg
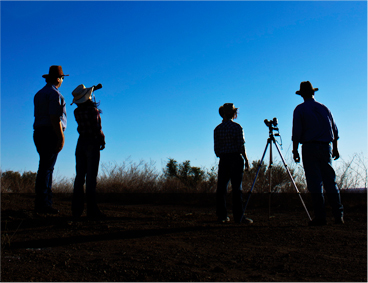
{"x": 270, "y": 182}
{"x": 254, "y": 181}
{"x": 291, "y": 178}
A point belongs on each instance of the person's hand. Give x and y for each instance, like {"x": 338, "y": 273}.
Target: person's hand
{"x": 246, "y": 165}
{"x": 102, "y": 141}
{"x": 335, "y": 154}
{"x": 296, "y": 156}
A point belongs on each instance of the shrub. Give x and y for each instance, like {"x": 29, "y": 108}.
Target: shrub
{"x": 15, "y": 182}
{"x": 193, "y": 179}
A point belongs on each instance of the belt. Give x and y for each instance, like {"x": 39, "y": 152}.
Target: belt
{"x": 315, "y": 142}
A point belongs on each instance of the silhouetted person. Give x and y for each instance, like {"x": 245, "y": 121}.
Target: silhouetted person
{"x": 229, "y": 147}
{"x": 91, "y": 140}
{"x": 49, "y": 126}
{"x": 315, "y": 128}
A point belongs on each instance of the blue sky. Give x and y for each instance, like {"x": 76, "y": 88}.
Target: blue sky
{"x": 166, "y": 67}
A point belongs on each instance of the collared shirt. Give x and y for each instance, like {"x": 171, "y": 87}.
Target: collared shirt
{"x": 89, "y": 120}
{"x": 49, "y": 101}
{"x": 228, "y": 138}
{"x": 313, "y": 122}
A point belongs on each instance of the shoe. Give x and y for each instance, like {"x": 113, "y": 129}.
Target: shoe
{"x": 339, "y": 220}
{"x": 46, "y": 210}
{"x": 223, "y": 221}
{"x": 317, "y": 222}
{"x": 245, "y": 220}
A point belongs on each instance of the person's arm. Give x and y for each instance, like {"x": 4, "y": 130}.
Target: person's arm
{"x": 246, "y": 162}
{"x": 296, "y": 134}
{"x": 58, "y": 128}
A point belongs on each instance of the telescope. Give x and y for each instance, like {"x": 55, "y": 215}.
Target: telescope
{"x": 270, "y": 123}
{"x": 96, "y": 87}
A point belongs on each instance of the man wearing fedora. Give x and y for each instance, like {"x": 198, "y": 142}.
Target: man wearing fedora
{"x": 229, "y": 147}
{"x": 315, "y": 128}
{"x": 49, "y": 126}
{"x": 87, "y": 154}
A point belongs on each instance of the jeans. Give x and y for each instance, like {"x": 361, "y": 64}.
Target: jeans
{"x": 231, "y": 168}
{"x": 87, "y": 161}
{"x": 317, "y": 161}
{"x": 45, "y": 140}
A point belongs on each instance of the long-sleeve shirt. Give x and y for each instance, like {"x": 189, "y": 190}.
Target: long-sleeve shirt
{"x": 313, "y": 122}
{"x": 49, "y": 101}
{"x": 89, "y": 121}
{"x": 228, "y": 138}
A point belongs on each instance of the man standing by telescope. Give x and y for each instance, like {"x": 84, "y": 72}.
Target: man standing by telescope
{"x": 315, "y": 128}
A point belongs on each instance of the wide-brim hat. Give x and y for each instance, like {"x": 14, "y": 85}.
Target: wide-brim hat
{"x": 306, "y": 88}
{"x": 55, "y": 72}
{"x": 81, "y": 94}
{"x": 227, "y": 108}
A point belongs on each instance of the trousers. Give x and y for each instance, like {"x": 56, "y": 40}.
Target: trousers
{"x": 319, "y": 173}
{"x": 87, "y": 156}
{"x": 231, "y": 168}
{"x": 45, "y": 140}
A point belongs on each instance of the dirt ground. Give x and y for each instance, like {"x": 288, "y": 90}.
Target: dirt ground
{"x": 176, "y": 238}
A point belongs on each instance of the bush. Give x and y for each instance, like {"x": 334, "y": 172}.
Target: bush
{"x": 14, "y": 182}
{"x": 193, "y": 179}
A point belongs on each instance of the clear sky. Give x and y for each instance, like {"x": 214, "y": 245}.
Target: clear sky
{"x": 166, "y": 67}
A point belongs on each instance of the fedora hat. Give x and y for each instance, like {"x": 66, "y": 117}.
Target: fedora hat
{"x": 81, "y": 94}
{"x": 305, "y": 88}
{"x": 55, "y": 72}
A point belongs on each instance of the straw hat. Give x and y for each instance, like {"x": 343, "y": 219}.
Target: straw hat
{"x": 81, "y": 94}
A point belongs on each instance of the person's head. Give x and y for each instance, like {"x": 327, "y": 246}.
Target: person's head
{"x": 228, "y": 111}
{"x": 306, "y": 90}
{"x": 55, "y": 76}
{"x": 82, "y": 94}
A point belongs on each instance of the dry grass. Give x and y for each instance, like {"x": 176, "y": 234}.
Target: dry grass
{"x": 143, "y": 177}
{"x": 128, "y": 177}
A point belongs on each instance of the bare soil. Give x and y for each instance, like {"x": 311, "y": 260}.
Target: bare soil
{"x": 176, "y": 238}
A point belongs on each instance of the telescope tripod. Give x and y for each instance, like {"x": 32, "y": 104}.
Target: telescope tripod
{"x": 270, "y": 140}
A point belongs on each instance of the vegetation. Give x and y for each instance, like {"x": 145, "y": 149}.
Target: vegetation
{"x": 15, "y": 182}
{"x": 280, "y": 179}
{"x": 142, "y": 177}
